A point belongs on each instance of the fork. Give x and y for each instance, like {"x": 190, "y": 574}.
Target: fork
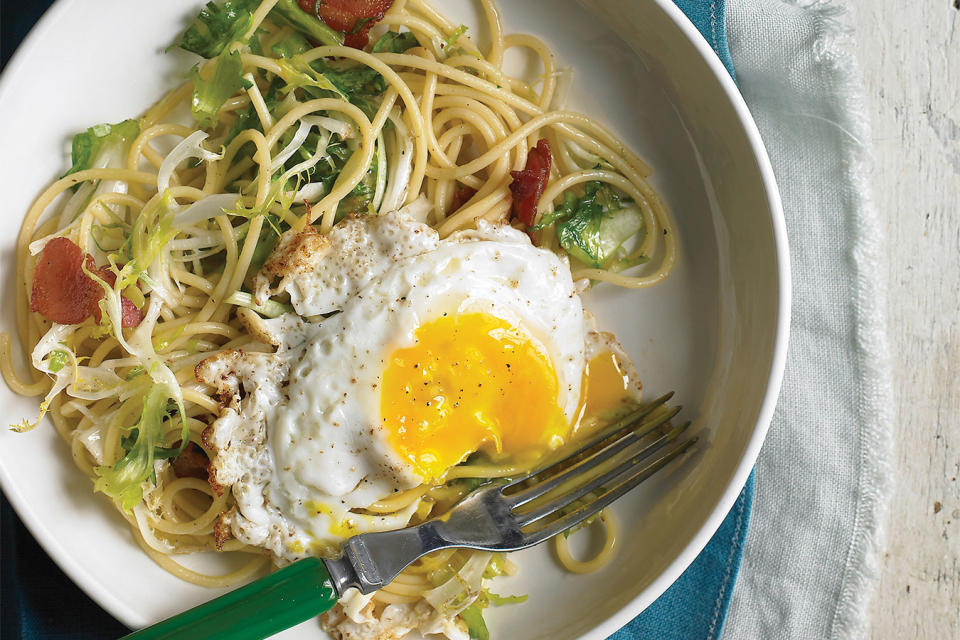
{"x": 505, "y": 515}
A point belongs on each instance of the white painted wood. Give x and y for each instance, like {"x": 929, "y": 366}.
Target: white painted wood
{"x": 910, "y": 56}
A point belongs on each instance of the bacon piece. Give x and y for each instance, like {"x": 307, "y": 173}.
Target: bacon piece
{"x": 353, "y": 17}
{"x": 528, "y": 184}
{"x": 130, "y": 316}
{"x": 191, "y": 463}
{"x": 194, "y": 463}
{"x": 461, "y": 196}
{"x": 63, "y": 293}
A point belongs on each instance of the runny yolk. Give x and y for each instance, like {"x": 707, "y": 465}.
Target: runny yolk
{"x": 471, "y": 382}
{"x": 608, "y": 387}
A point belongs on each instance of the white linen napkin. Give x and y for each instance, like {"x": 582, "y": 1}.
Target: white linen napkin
{"x": 824, "y": 475}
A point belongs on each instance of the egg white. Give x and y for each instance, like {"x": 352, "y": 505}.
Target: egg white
{"x": 300, "y": 438}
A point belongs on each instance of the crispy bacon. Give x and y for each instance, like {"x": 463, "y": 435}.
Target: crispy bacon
{"x": 63, "y": 293}
{"x": 353, "y": 17}
{"x": 191, "y": 463}
{"x": 130, "y": 315}
{"x": 461, "y": 196}
{"x": 528, "y": 184}
{"x": 194, "y": 463}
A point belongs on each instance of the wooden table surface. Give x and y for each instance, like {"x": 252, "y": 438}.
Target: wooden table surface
{"x": 910, "y": 57}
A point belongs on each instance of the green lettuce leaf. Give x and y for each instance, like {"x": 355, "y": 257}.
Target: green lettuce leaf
{"x": 593, "y": 228}
{"x": 248, "y": 119}
{"x": 151, "y": 232}
{"x": 298, "y": 74}
{"x": 217, "y": 26}
{"x": 353, "y": 81}
{"x": 123, "y": 481}
{"x": 394, "y": 42}
{"x": 289, "y": 46}
{"x": 289, "y": 12}
{"x": 361, "y": 84}
{"x": 498, "y": 600}
{"x": 87, "y": 146}
{"x": 476, "y": 627}
{"x": 209, "y": 95}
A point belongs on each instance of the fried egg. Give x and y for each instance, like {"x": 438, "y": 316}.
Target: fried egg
{"x": 407, "y": 353}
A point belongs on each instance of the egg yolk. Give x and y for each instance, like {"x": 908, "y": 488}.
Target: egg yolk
{"x": 607, "y": 385}
{"x": 471, "y": 382}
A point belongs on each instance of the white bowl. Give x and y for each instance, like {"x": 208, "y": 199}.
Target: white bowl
{"x": 716, "y": 331}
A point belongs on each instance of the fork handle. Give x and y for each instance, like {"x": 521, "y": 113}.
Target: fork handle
{"x": 262, "y": 608}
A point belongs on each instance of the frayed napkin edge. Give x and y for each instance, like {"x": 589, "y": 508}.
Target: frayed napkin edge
{"x": 835, "y": 48}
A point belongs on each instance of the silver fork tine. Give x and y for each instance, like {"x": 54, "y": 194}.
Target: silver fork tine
{"x": 486, "y": 518}
{"x": 635, "y": 431}
{"x": 529, "y": 517}
{"x": 624, "y": 423}
{"x": 584, "y": 512}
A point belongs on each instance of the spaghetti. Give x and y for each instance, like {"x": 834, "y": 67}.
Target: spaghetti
{"x": 177, "y": 217}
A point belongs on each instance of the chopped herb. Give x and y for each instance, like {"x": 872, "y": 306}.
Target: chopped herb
{"x": 249, "y": 119}
{"x": 359, "y": 25}
{"x": 451, "y": 40}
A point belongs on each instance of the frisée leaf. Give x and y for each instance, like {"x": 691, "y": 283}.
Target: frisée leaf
{"x": 269, "y": 309}
{"x": 89, "y": 145}
{"x": 217, "y": 26}
{"x": 498, "y": 600}
{"x": 209, "y": 95}
{"x": 593, "y": 228}
{"x": 290, "y": 45}
{"x": 362, "y": 85}
{"x": 476, "y": 627}
{"x": 123, "y": 481}
{"x": 394, "y": 42}
{"x": 289, "y": 12}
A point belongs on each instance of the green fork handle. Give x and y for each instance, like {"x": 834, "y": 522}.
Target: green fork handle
{"x": 262, "y": 608}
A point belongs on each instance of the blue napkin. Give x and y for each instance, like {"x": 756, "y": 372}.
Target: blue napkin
{"x": 38, "y": 602}
{"x": 708, "y": 17}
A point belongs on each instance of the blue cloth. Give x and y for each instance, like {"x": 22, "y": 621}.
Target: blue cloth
{"x": 38, "y": 602}
{"x": 695, "y": 606}
{"x": 708, "y": 17}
